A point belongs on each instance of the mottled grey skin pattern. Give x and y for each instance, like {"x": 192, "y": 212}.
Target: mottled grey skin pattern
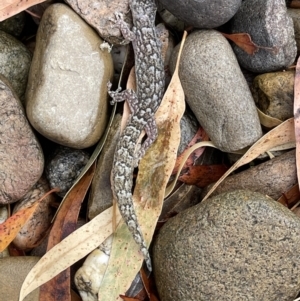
{"x": 150, "y": 79}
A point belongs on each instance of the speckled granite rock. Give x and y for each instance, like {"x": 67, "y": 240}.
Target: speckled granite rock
{"x": 15, "y": 62}
{"x": 21, "y": 157}
{"x": 217, "y": 91}
{"x": 235, "y": 246}
{"x": 14, "y": 25}
{"x": 64, "y": 166}
{"x": 269, "y": 25}
{"x": 273, "y": 94}
{"x": 203, "y": 14}
{"x": 66, "y": 98}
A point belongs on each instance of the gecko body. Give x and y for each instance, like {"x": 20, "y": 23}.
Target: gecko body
{"x": 150, "y": 81}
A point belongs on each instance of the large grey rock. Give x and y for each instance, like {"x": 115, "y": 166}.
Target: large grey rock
{"x": 66, "y": 98}
{"x": 203, "y": 14}
{"x": 217, "y": 91}
{"x": 240, "y": 245}
{"x": 269, "y": 25}
{"x": 21, "y": 156}
{"x": 15, "y": 61}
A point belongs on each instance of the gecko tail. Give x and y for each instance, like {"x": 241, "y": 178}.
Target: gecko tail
{"x": 139, "y": 239}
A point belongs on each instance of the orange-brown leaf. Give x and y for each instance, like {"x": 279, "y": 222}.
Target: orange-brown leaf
{"x": 58, "y": 288}
{"x": 9, "y": 8}
{"x": 11, "y": 227}
{"x": 199, "y": 136}
{"x": 203, "y": 175}
{"x": 288, "y": 198}
{"x": 294, "y": 4}
{"x": 244, "y": 41}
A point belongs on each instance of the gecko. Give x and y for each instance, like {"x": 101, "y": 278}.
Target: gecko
{"x": 150, "y": 84}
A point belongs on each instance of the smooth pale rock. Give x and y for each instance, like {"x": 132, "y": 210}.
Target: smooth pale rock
{"x": 203, "y": 14}
{"x": 21, "y": 157}
{"x": 66, "y": 98}
{"x": 89, "y": 276}
{"x": 269, "y": 25}
{"x": 273, "y": 94}
{"x": 217, "y": 91}
{"x": 63, "y": 168}
{"x": 240, "y": 245}
{"x": 273, "y": 177}
{"x": 35, "y": 229}
{"x": 15, "y": 61}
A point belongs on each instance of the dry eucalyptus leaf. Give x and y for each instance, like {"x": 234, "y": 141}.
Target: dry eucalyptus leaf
{"x": 154, "y": 171}
{"x": 267, "y": 121}
{"x": 282, "y": 134}
{"x": 9, "y": 8}
{"x": 74, "y": 247}
{"x": 297, "y": 115}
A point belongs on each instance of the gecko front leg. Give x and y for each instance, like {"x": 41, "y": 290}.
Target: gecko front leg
{"x": 119, "y": 22}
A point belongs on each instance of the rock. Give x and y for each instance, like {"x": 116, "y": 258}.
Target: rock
{"x": 13, "y": 272}
{"x": 217, "y": 91}
{"x": 14, "y": 25}
{"x": 89, "y": 276}
{"x": 269, "y": 25}
{"x": 15, "y": 62}
{"x": 188, "y": 129}
{"x": 170, "y": 19}
{"x": 97, "y": 13}
{"x": 63, "y": 168}
{"x": 36, "y": 227}
{"x": 21, "y": 157}
{"x": 239, "y": 245}
{"x": 66, "y": 98}
{"x": 274, "y": 94}
{"x": 273, "y": 177}
{"x": 203, "y": 14}
{"x": 295, "y": 15}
